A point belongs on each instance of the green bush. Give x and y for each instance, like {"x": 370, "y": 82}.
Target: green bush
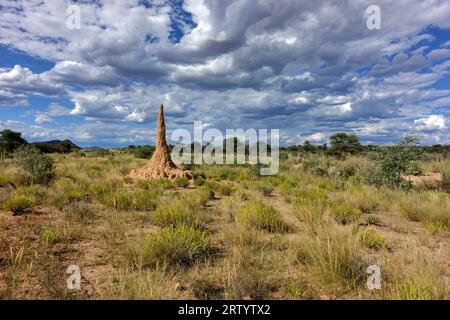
{"x": 394, "y": 161}
{"x": 19, "y": 203}
{"x": 39, "y": 165}
{"x": 174, "y": 245}
{"x": 344, "y": 214}
{"x": 261, "y": 216}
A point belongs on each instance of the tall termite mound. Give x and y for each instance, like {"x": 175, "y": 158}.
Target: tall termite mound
{"x": 161, "y": 164}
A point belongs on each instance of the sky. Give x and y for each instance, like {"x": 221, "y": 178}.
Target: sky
{"x": 307, "y": 68}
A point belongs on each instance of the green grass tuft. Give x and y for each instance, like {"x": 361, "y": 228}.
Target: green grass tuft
{"x": 177, "y": 214}
{"x": 174, "y": 246}
{"x": 345, "y": 214}
{"x": 19, "y": 203}
{"x": 261, "y": 216}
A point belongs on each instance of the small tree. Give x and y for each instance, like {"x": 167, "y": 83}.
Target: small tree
{"x": 308, "y": 147}
{"x": 397, "y": 160}
{"x": 11, "y": 140}
{"x": 39, "y": 165}
{"x": 343, "y": 143}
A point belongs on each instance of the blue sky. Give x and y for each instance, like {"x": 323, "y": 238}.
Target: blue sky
{"x": 307, "y": 68}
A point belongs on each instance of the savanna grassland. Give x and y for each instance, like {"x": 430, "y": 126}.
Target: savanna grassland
{"x": 309, "y": 232}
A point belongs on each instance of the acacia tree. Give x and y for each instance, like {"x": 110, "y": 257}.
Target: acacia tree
{"x": 342, "y": 143}
{"x": 399, "y": 159}
{"x": 10, "y": 141}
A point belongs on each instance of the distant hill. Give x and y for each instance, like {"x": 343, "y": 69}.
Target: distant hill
{"x": 58, "y": 146}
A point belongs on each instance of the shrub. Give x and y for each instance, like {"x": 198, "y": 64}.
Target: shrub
{"x": 177, "y": 214}
{"x": 19, "y": 203}
{"x": 49, "y": 237}
{"x": 397, "y": 160}
{"x": 261, "y": 216}
{"x": 39, "y": 165}
{"x": 344, "y": 214}
{"x": 174, "y": 245}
